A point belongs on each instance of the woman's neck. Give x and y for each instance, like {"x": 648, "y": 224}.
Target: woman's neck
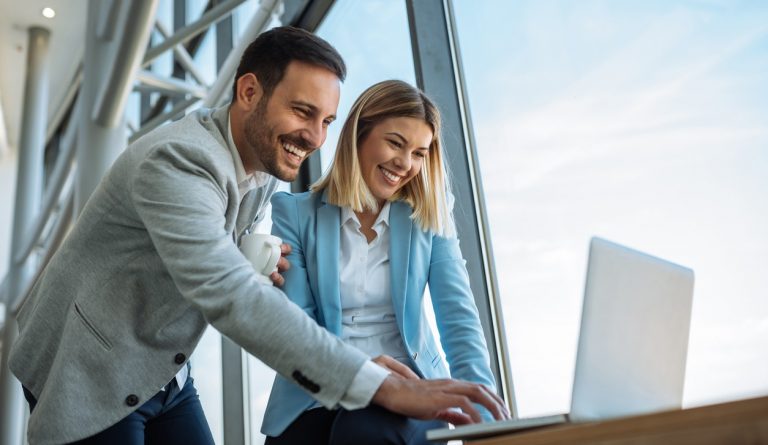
{"x": 367, "y": 218}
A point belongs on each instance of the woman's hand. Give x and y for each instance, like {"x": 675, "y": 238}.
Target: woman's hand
{"x": 395, "y": 367}
{"x": 282, "y": 266}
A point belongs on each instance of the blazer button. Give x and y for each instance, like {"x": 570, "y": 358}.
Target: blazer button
{"x": 415, "y": 354}
{"x": 132, "y": 400}
{"x": 179, "y": 358}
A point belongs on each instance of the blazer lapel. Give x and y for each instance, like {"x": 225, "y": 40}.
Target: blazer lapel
{"x": 328, "y": 245}
{"x": 400, "y": 225}
{"x": 246, "y": 214}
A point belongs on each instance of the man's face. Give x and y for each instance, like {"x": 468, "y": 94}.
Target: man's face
{"x": 289, "y": 125}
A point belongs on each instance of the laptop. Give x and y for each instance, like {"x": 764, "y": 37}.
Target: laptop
{"x": 632, "y": 346}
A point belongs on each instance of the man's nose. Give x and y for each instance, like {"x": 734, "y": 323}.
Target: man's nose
{"x": 314, "y": 134}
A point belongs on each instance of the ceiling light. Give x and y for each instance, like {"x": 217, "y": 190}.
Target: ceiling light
{"x": 49, "y": 13}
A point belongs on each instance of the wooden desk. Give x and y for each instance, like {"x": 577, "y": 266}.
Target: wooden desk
{"x": 733, "y": 423}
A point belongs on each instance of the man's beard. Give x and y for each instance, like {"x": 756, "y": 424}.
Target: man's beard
{"x": 261, "y": 139}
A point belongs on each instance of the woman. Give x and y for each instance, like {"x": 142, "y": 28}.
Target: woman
{"x": 367, "y": 239}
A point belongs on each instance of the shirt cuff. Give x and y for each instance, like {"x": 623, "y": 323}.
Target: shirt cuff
{"x": 364, "y": 386}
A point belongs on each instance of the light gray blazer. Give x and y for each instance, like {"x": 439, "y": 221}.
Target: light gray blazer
{"x": 150, "y": 263}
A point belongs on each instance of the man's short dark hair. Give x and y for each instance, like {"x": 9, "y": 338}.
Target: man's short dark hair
{"x": 269, "y": 55}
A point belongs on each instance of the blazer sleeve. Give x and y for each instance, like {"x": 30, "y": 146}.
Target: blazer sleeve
{"x": 286, "y": 224}
{"x": 461, "y": 334}
{"x": 178, "y": 195}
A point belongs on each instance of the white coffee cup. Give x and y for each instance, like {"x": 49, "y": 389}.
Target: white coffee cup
{"x": 263, "y": 251}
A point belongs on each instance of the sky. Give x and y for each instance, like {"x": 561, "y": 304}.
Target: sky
{"x": 641, "y": 122}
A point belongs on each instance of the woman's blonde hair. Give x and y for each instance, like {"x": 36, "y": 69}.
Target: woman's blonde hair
{"x": 427, "y": 193}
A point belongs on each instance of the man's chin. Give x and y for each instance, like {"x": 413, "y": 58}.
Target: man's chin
{"x": 287, "y": 175}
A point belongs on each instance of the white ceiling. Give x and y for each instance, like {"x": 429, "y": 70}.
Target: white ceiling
{"x": 65, "y": 51}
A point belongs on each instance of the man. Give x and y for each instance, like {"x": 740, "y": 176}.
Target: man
{"x": 107, "y": 331}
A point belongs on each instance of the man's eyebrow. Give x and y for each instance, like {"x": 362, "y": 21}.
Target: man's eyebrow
{"x": 313, "y": 109}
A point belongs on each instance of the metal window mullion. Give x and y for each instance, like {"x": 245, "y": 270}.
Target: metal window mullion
{"x": 437, "y": 67}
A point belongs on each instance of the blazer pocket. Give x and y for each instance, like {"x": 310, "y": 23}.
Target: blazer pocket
{"x": 105, "y": 343}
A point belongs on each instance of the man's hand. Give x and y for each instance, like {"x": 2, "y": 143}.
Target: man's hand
{"x": 438, "y": 399}
{"x": 282, "y": 266}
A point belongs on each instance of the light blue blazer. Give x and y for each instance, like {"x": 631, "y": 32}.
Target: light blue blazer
{"x": 312, "y": 228}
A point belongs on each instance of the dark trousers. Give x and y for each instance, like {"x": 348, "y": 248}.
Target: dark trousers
{"x": 370, "y": 426}
{"x": 173, "y": 416}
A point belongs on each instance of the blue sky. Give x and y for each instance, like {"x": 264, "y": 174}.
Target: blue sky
{"x": 644, "y": 122}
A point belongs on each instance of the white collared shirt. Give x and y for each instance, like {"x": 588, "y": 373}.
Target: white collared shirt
{"x": 368, "y": 315}
{"x": 245, "y": 183}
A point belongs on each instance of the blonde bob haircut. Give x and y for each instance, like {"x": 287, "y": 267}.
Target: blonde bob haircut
{"x": 427, "y": 193}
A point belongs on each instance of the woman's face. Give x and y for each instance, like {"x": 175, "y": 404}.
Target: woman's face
{"x": 392, "y": 154}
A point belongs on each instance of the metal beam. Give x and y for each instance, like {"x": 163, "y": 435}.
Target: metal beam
{"x": 63, "y": 110}
{"x": 29, "y": 185}
{"x": 149, "y": 81}
{"x": 214, "y": 15}
{"x": 61, "y": 172}
{"x": 258, "y": 24}
{"x": 110, "y": 104}
{"x": 438, "y": 73}
{"x": 98, "y": 146}
{"x": 162, "y": 118}
{"x": 182, "y": 56}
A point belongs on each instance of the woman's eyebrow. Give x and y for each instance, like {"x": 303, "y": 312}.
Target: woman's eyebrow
{"x": 394, "y": 133}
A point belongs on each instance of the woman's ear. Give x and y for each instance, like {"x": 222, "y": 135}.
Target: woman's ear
{"x": 248, "y": 92}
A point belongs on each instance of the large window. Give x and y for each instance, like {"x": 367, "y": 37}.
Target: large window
{"x": 642, "y": 122}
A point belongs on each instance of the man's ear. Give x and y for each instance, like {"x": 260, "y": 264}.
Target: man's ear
{"x": 249, "y": 91}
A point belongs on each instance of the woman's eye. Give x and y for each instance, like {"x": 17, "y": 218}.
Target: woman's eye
{"x": 395, "y": 144}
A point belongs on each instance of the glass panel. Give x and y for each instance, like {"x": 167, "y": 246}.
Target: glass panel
{"x": 374, "y": 39}
{"x": 642, "y": 122}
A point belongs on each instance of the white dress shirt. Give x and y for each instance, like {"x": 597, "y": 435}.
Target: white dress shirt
{"x": 368, "y": 316}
